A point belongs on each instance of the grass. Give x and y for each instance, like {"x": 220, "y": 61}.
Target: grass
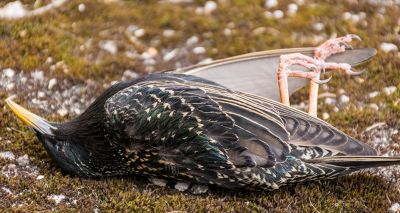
{"x": 71, "y": 37}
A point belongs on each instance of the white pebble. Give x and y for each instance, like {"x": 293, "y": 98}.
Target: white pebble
{"x": 318, "y": 26}
{"x": 158, "y": 182}
{"x": 139, "y": 32}
{"x": 41, "y": 94}
{"x": 62, "y": 112}
{"x": 210, "y": 6}
{"x": 271, "y": 3}
{"x": 330, "y": 101}
{"x": 192, "y": 40}
{"x": 168, "y": 33}
{"x": 170, "y": 55}
{"x": 199, "y": 189}
{"x": 13, "y": 10}
{"x": 7, "y": 155}
{"x": 37, "y": 75}
{"x": 52, "y": 83}
{"x": 373, "y": 106}
{"x": 56, "y": 198}
{"x": 109, "y": 46}
{"x": 23, "y": 160}
{"x": 292, "y": 9}
{"x": 389, "y": 90}
{"x": 129, "y": 74}
{"x": 388, "y": 47}
{"x": 325, "y": 116}
{"x": 40, "y": 177}
{"x": 343, "y": 99}
{"x": 9, "y": 73}
{"x": 278, "y": 14}
{"x": 373, "y": 94}
{"x": 82, "y": 7}
{"x": 181, "y": 186}
{"x": 199, "y": 50}
{"x": 395, "y": 208}
{"x": 227, "y": 32}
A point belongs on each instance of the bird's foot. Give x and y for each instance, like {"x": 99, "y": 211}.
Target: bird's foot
{"x": 316, "y": 65}
{"x": 334, "y": 46}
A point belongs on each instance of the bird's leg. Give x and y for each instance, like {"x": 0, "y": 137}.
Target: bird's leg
{"x": 330, "y": 47}
{"x": 315, "y": 65}
{"x": 285, "y": 61}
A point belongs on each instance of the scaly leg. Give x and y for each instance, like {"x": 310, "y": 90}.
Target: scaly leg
{"x": 315, "y": 65}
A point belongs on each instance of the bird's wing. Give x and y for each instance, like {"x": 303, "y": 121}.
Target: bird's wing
{"x": 256, "y": 73}
{"x": 308, "y": 131}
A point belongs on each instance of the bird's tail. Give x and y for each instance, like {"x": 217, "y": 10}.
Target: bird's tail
{"x": 357, "y": 162}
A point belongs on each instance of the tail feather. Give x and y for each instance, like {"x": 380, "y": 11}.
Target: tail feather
{"x": 358, "y": 162}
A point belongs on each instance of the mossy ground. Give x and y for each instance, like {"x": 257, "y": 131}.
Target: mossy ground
{"x": 62, "y": 34}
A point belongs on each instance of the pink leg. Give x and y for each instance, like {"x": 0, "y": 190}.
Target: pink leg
{"x": 315, "y": 64}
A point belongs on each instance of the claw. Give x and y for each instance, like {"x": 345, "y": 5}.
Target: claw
{"x": 351, "y": 72}
{"x": 318, "y": 81}
{"x": 354, "y": 36}
{"x": 346, "y": 45}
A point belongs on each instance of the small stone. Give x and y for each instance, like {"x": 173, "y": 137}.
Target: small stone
{"x": 158, "y": 182}
{"x": 388, "y": 47}
{"x": 139, "y": 32}
{"x": 56, "y": 198}
{"x": 41, "y": 94}
{"x": 49, "y": 60}
{"x": 23, "y": 160}
{"x": 330, "y": 101}
{"x": 168, "y": 33}
{"x": 10, "y": 86}
{"x": 373, "y": 106}
{"x": 52, "y": 83}
{"x": 395, "y": 208}
{"x": 373, "y": 94}
{"x": 9, "y": 73}
{"x": 199, "y": 189}
{"x": 7, "y": 155}
{"x": 40, "y": 177}
{"x": 199, "y": 50}
{"x": 13, "y": 10}
{"x": 210, "y": 6}
{"x": 37, "y": 75}
{"x": 227, "y": 32}
{"x": 152, "y": 51}
{"x": 271, "y": 3}
{"x": 325, "y": 116}
{"x": 170, "y": 55}
{"x": 277, "y": 14}
{"x": 343, "y": 99}
{"x": 292, "y": 9}
{"x": 192, "y": 40}
{"x": 318, "y": 26}
{"x": 7, "y": 190}
{"x": 129, "y": 74}
{"x": 109, "y": 46}
{"x": 181, "y": 186}
{"x": 82, "y": 7}
{"x": 389, "y": 90}
{"x": 62, "y": 112}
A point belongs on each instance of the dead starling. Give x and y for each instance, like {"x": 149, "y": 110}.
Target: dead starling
{"x": 190, "y": 129}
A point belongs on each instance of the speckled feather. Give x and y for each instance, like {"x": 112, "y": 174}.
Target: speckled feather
{"x": 183, "y": 128}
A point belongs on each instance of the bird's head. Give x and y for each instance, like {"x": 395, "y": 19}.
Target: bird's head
{"x": 63, "y": 149}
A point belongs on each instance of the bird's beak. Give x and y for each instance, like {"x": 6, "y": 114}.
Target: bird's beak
{"x": 34, "y": 121}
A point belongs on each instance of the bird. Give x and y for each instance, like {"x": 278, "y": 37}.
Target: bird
{"x": 197, "y": 126}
